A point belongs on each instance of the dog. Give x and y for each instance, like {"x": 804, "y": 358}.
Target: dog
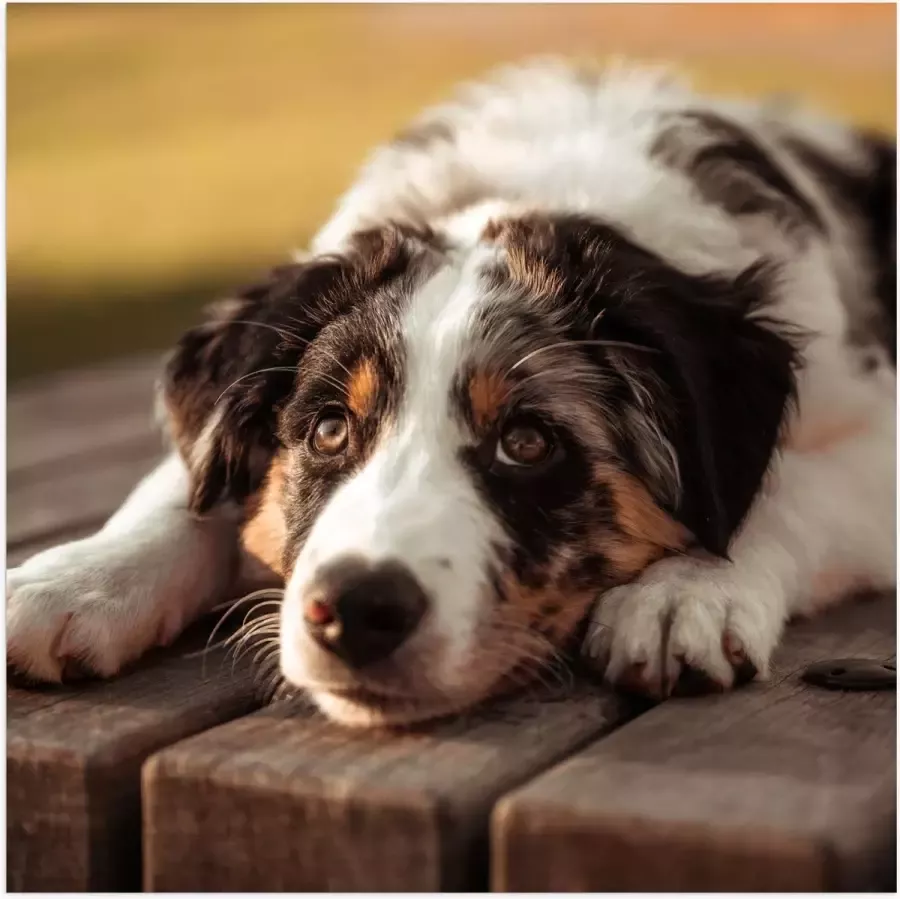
{"x": 582, "y": 361}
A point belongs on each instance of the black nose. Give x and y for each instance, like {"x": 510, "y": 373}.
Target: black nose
{"x": 363, "y": 612}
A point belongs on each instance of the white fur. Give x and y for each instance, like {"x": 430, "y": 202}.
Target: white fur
{"x": 824, "y": 526}
{"x": 535, "y": 138}
{"x": 105, "y": 600}
{"x": 412, "y": 501}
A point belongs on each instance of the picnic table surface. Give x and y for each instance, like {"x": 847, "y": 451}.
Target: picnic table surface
{"x": 177, "y": 776}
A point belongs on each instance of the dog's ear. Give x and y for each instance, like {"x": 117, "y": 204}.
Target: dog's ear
{"x": 706, "y": 375}
{"x": 225, "y": 382}
{"x": 720, "y": 375}
{"x": 732, "y": 375}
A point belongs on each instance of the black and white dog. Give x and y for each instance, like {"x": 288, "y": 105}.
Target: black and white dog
{"x": 582, "y": 356}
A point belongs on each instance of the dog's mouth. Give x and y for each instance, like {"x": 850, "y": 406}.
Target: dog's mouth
{"x": 359, "y": 706}
{"x": 366, "y": 696}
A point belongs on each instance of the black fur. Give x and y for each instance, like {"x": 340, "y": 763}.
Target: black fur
{"x": 722, "y": 369}
{"x": 722, "y": 375}
{"x": 869, "y": 197}
{"x": 243, "y": 364}
{"x": 731, "y": 169}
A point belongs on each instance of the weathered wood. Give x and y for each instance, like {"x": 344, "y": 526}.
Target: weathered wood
{"x": 17, "y": 555}
{"x": 74, "y": 757}
{"x": 77, "y": 497}
{"x": 781, "y": 786}
{"x": 77, "y": 444}
{"x": 283, "y": 800}
{"x": 75, "y": 414}
{"x": 778, "y": 786}
{"x": 74, "y": 754}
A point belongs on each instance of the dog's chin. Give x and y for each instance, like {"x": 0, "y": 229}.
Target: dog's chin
{"x": 360, "y": 707}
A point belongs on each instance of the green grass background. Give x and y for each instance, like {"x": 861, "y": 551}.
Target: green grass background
{"x": 157, "y": 155}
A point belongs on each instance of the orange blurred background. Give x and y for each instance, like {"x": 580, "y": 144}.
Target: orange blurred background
{"x": 159, "y": 153}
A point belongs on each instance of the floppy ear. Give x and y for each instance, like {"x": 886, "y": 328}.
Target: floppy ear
{"x": 707, "y": 374}
{"x": 226, "y": 380}
{"x": 725, "y": 372}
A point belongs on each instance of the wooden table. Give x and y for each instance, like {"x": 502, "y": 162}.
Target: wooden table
{"x": 176, "y": 778}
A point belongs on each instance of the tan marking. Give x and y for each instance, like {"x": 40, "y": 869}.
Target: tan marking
{"x": 487, "y": 392}
{"x": 627, "y": 556}
{"x": 639, "y": 516}
{"x": 528, "y": 606}
{"x": 822, "y": 436}
{"x": 493, "y": 230}
{"x": 647, "y": 532}
{"x": 526, "y": 267}
{"x": 362, "y": 390}
{"x": 264, "y": 535}
{"x": 832, "y": 584}
{"x": 533, "y": 273}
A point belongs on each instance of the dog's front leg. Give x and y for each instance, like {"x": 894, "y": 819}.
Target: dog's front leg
{"x": 102, "y": 602}
{"x": 823, "y": 527}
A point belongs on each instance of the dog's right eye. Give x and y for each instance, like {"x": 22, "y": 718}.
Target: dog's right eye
{"x": 331, "y": 433}
{"x": 524, "y": 442}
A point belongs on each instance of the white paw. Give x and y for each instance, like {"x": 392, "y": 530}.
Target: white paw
{"x": 90, "y": 606}
{"x": 686, "y": 624}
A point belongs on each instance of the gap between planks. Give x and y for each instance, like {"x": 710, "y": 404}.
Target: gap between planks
{"x": 284, "y": 800}
{"x": 780, "y": 786}
{"x": 78, "y": 444}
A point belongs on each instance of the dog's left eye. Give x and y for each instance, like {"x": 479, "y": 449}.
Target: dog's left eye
{"x": 331, "y": 433}
{"x": 524, "y": 443}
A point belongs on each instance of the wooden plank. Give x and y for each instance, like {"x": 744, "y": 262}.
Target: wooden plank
{"x": 781, "y": 786}
{"x": 76, "y": 497}
{"x": 20, "y": 553}
{"x": 52, "y": 393}
{"x": 79, "y": 443}
{"x": 285, "y": 801}
{"x": 74, "y": 757}
{"x": 74, "y": 414}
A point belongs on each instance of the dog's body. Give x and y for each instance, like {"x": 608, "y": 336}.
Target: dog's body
{"x": 575, "y": 335}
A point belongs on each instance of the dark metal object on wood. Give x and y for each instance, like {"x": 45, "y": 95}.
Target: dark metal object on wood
{"x": 281, "y": 801}
{"x": 779, "y": 786}
{"x": 852, "y": 674}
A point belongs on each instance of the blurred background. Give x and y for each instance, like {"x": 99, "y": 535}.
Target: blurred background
{"x": 158, "y": 154}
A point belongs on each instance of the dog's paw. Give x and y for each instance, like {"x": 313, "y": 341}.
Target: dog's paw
{"x": 686, "y": 625}
{"x": 86, "y": 607}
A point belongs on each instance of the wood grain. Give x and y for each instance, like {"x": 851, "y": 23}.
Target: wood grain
{"x": 283, "y": 800}
{"x": 77, "y": 446}
{"x": 780, "y": 786}
{"x": 71, "y": 415}
{"x": 74, "y": 757}
{"x": 77, "y": 497}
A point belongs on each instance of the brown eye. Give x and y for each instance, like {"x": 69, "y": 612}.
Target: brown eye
{"x": 524, "y": 443}
{"x": 331, "y": 433}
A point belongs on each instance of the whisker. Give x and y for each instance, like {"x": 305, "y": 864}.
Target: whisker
{"x": 259, "y": 371}
{"x": 282, "y": 333}
{"x": 573, "y": 343}
{"x": 256, "y": 594}
{"x": 331, "y": 356}
{"x": 274, "y": 593}
{"x": 270, "y": 618}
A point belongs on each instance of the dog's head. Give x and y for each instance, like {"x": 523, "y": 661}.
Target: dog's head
{"x": 450, "y": 454}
